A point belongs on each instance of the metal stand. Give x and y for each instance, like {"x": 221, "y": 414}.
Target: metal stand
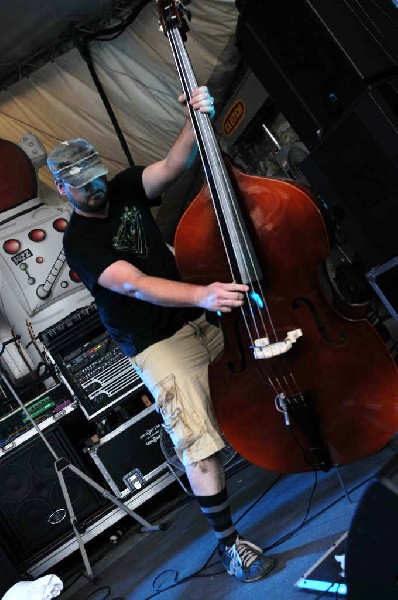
{"x": 60, "y": 465}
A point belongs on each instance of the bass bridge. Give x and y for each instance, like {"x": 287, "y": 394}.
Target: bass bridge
{"x": 263, "y": 348}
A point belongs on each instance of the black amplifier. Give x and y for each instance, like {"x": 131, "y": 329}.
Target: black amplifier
{"x": 70, "y": 328}
{"x": 91, "y": 363}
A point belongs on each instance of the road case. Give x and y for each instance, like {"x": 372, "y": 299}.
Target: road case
{"x": 130, "y": 457}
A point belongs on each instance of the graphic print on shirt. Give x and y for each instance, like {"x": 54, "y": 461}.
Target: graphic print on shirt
{"x": 130, "y": 236}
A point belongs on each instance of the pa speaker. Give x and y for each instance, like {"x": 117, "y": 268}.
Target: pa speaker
{"x": 371, "y": 560}
{"x": 354, "y": 169}
{"x": 313, "y": 57}
{"x": 33, "y": 512}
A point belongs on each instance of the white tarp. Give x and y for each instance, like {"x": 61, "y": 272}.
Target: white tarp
{"x": 60, "y": 101}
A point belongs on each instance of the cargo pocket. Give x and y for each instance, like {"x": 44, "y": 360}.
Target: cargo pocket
{"x": 182, "y": 425}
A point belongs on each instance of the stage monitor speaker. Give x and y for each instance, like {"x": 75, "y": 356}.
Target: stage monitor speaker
{"x": 313, "y": 57}
{"x": 30, "y": 495}
{"x": 354, "y": 169}
{"x": 371, "y": 560}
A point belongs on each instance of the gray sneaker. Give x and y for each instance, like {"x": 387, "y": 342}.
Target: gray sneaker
{"x": 246, "y": 561}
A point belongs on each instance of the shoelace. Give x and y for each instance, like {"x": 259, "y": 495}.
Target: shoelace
{"x": 244, "y": 553}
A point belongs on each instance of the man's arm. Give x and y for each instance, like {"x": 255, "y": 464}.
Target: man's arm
{"x": 126, "y": 279}
{"x": 160, "y": 175}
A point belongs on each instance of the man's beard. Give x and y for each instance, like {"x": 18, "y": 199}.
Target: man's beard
{"x": 98, "y": 205}
{"x": 91, "y": 208}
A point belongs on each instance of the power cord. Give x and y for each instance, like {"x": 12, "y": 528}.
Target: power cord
{"x": 288, "y": 535}
{"x": 105, "y": 588}
{"x": 336, "y": 593}
{"x": 283, "y": 539}
{"x": 198, "y": 572}
{"x": 157, "y": 516}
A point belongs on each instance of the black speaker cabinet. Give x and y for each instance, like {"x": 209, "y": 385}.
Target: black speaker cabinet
{"x": 371, "y": 561}
{"x": 30, "y": 495}
{"x": 8, "y": 573}
{"x": 355, "y": 170}
{"x": 314, "y": 57}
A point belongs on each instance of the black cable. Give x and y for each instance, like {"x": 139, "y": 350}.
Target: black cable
{"x": 105, "y": 587}
{"x": 339, "y": 499}
{"x": 328, "y": 590}
{"x": 154, "y": 582}
{"x": 10, "y": 341}
{"x": 322, "y": 595}
{"x": 118, "y": 29}
{"x": 303, "y": 521}
{"x": 108, "y": 590}
{"x": 266, "y": 549}
{"x": 94, "y": 560}
{"x": 336, "y": 594}
{"x": 134, "y": 529}
{"x": 329, "y": 506}
{"x": 197, "y": 573}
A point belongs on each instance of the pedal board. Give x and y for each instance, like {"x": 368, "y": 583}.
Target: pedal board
{"x": 327, "y": 574}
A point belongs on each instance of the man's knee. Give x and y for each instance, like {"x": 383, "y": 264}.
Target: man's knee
{"x": 205, "y": 465}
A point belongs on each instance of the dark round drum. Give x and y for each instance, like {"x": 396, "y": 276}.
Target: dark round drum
{"x": 18, "y": 181}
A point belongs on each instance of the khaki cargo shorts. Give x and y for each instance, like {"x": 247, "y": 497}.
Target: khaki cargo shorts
{"x": 175, "y": 371}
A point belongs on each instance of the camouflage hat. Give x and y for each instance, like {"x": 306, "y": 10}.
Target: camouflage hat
{"x": 76, "y": 162}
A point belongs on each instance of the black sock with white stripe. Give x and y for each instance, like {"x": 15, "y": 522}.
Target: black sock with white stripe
{"x": 218, "y": 513}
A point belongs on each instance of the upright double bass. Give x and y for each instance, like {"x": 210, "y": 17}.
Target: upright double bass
{"x": 298, "y": 386}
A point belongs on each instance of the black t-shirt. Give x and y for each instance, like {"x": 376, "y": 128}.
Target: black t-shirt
{"x": 128, "y": 233}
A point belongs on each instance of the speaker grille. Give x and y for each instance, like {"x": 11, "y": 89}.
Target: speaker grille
{"x": 30, "y": 494}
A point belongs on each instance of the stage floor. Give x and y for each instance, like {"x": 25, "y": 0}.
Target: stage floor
{"x": 270, "y": 511}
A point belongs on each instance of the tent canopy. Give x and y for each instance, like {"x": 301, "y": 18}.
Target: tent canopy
{"x": 59, "y": 100}
{"x": 32, "y": 32}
